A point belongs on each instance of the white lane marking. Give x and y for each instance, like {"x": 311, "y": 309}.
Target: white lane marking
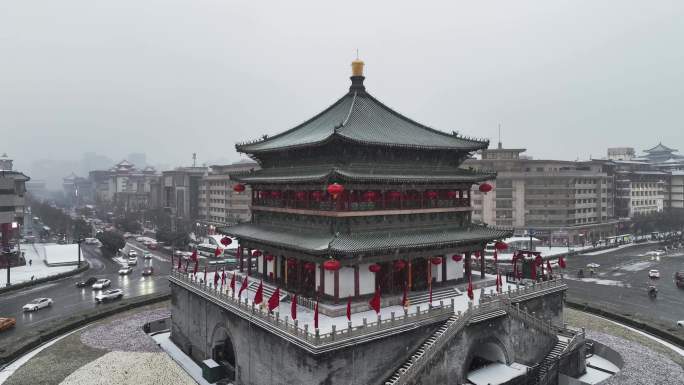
{"x": 7, "y": 371}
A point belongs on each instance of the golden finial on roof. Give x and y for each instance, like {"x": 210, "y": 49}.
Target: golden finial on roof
{"x": 357, "y": 66}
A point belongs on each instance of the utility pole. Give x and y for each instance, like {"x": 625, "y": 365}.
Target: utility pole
{"x": 79, "y": 241}
{"x": 5, "y": 228}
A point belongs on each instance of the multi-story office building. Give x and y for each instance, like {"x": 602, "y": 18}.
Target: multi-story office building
{"x": 218, "y": 203}
{"x": 12, "y": 189}
{"x": 180, "y": 192}
{"x": 560, "y": 201}
{"x": 674, "y": 191}
{"x": 125, "y": 187}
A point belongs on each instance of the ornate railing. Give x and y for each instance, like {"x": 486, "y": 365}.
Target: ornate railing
{"x": 312, "y": 339}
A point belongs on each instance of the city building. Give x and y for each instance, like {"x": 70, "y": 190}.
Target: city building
{"x": 77, "y": 190}
{"x": 674, "y": 191}
{"x": 621, "y": 153}
{"x": 37, "y": 188}
{"x": 125, "y": 187}
{"x": 180, "y": 193}
{"x": 362, "y": 205}
{"x": 219, "y": 204}
{"x": 12, "y": 189}
{"x": 559, "y": 201}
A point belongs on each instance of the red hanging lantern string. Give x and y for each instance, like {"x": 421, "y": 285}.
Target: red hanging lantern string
{"x": 335, "y": 189}
{"x": 374, "y": 268}
{"x": 331, "y": 265}
{"x": 436, "y": 260}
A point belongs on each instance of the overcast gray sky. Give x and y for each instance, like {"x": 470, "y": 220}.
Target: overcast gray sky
{"x": 566, "y": 79}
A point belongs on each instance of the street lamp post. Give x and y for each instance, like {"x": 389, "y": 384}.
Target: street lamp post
{"x": 79, "y": 251}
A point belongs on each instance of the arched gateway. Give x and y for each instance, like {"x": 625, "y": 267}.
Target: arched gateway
{"x": 223, "y": 351}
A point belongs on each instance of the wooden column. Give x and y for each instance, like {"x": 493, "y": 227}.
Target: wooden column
{"x": 336, "y": 289}
{"x": 482, "y": 264}
{"x": 239, "y": 252}
{"x": 299, "y": 276}
{"x": 321, "y": 287}
{"x": 249, "y": 261}
{"x": 264, "y": 266}
{"x": 444, "y": 268}
{"x": 410, "y": 280}
{"x": 356, "y": 281}
{"x": 468, "y": 270}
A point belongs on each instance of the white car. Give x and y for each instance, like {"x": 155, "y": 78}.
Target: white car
{"x": 132, "y": 261}
{"x": 101, "y": 283}
{"x": 109, "y": 294}
{"x": 140, "y": 239}
{"x": 653, "y": 274}
{"x": 125, "y": 270}
{"x": 37, "y": 304}
{"x": 593, "y": 265}
{"x": 147, "y": 255}
{"x": 132, "y": 253}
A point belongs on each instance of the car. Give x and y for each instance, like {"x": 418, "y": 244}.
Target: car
{"x": 148, "y": 271}
{"x": 7, "y": 323}
{"x": 132, "y": 253}
{"x": 593, "y": 265}
{"x": 147, "y": 242}
{"x": 109, "y": 295}
{"x": 125, "y": 270}
{"x": 653, "y": 273}
{"x": 37, "y": 304}
{"x": 101, "y": 283}
{"x": 679, "y": 279}
{"x": 153, "y": 246}
{"x": 147, "y": 255}
{"x": 87, "y": 283}
{"x": 132, "y": 261}
{"x": 140, "y": 239}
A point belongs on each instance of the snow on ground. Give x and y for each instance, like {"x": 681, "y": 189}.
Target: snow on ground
{"x": 305, "y": 316}
{"x": 37, "y": 269}
{"x": 638, "y": 266}
{"x": 598, "y": 281}
{"x": 544, "y": 250}
{"x": 125, "y": 334}
{"x": 61, "y": 254}
{"x": 602, "y": 363}
{"x": 137, "y": 368}
{"x": 190, "y": 367}
{"x": 496, "y": 373}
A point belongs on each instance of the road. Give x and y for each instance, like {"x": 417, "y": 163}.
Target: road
{"x": 69, "y": 299}
{"x": 620, "y": 283}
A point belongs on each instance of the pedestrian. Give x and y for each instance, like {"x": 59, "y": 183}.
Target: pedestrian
{"x": 30, "y": 262}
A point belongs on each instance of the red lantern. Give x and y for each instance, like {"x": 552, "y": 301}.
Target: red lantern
{"x": 457, "y": 257}
{"x": 374, "y": 268}
{"x": 431, "y": 194}
{"x": 309, "y": 266}
{"x": 269, "y": 257}
{"x": 436, "y": 260}
{"x": 335, "y": 189}
{"x": 238, "y": 188}
{"x": 485, "y": 188}
{"x": 499, "y": 245}
{"x": 300, "y": 195}
{"x": 331, "y": 264}
{"x": 317, "y": 196}
{"x": 399, "y": 265}
{"x": 538, "y": 260}
{"x": 225, "y": 241}
{"x": 451, "y": 194}
{"x": 256, "y": 253}
{"x": 394, "y": 195}
{"x": 291, "y": 262}
{"x": 275, "y": 194}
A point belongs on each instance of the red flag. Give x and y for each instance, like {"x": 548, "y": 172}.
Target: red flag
{"x": 217, "y": 251}
{"x": 216, "y": 276}
{"x": 194, "y": 270}
{"x": 194, "y": 255}
{"x": 533, "y": 271}
{"x": 316, "y": 315}
{"x": 375, "y": 301}
{"x": 496, "y": 257}
{"x": 274, "y": 301}
{"x": 259, "y": 295}
{"x": 349, "y": 309}
{"x": 548, "y": 267}
{"x": 205, "y": 273}
{"x": 470, "y": 289}
{"x": 179, "y": 263}
{"x": 243, "y": 286}
{"x": 561, "y": 262}
{"x": 232, "y": 282}
{"x": 293, "y": 307}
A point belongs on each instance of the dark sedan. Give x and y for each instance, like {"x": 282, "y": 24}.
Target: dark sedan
{"x": 87, "y": 283}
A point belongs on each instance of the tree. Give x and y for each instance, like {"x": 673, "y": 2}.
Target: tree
{"x": 177, "y": 239}
{"x": 82, "y": 229}
{"x": 128, "y": 223}
{"x": 111, "y": 242}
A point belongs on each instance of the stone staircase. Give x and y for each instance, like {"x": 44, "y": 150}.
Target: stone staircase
{"x": 550, "y": 359}
{"x": 437, "y": 295}
{"x": 487, "y": 316}
{"x": 268, "y": 290}
{"x": 420, "y": 352}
